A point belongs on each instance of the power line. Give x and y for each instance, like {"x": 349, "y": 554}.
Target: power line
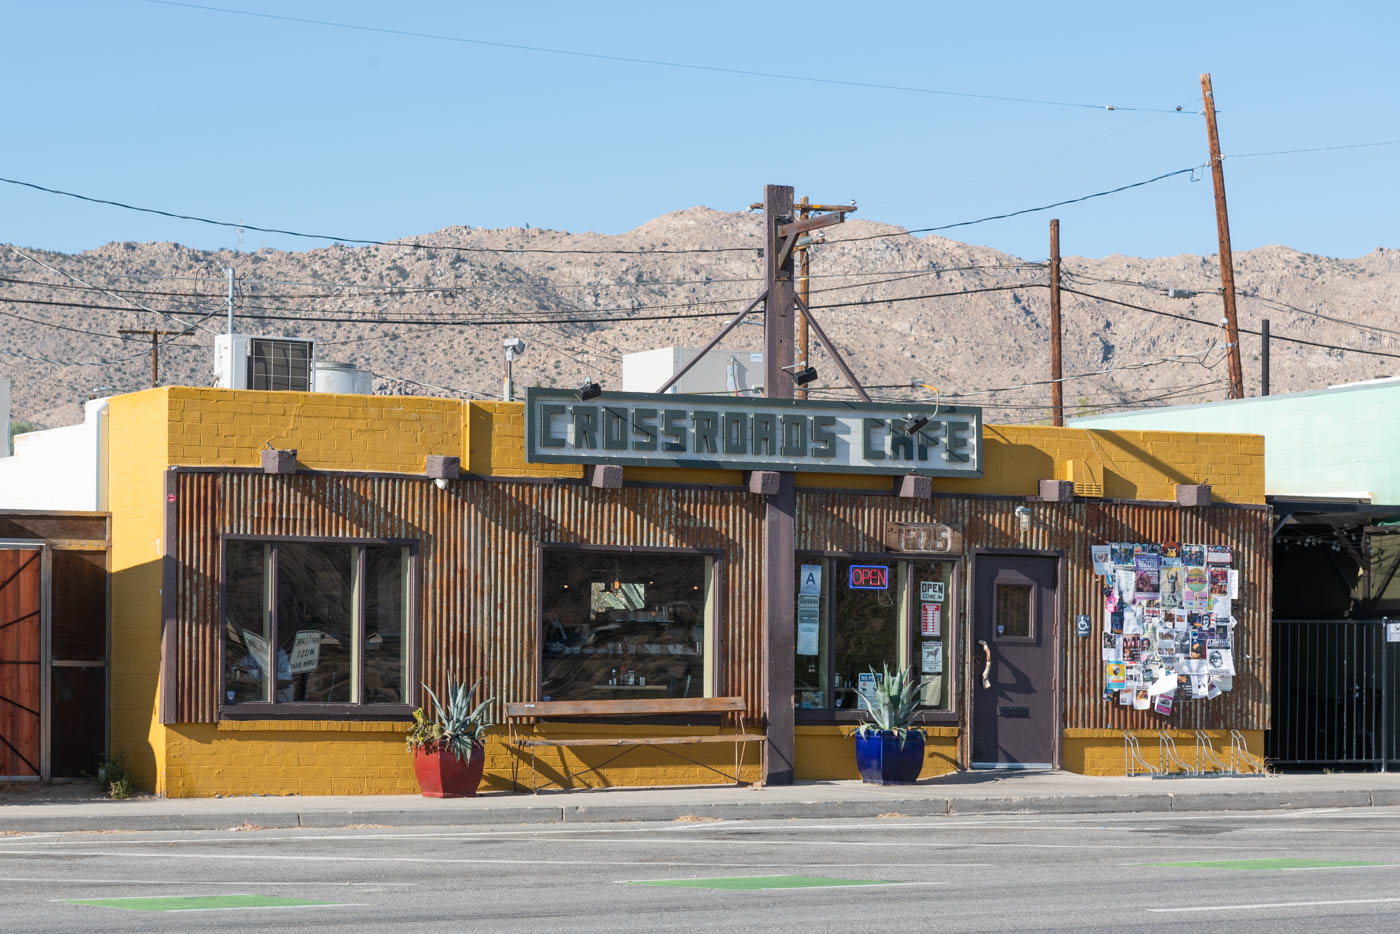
{"x": 1273, "y": 336}
{"x": 361, "y": 240}
{"x": 998, "y": 217}
{"x": 1289, "y": 152}
{"x": 660, "y": 62}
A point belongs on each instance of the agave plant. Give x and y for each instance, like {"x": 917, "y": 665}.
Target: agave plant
{"x": 894, "y": 705}
{"x": 459, "y": 726}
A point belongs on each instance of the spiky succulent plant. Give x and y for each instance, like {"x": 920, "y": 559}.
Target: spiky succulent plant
{"x": 893, "y": 706}
{"x": 459, "y": 726}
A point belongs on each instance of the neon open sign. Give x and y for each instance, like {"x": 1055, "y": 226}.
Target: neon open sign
{"x": 869, "y": 577}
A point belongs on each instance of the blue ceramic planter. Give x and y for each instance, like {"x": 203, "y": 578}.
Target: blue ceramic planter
{"x": 882, "y": 761}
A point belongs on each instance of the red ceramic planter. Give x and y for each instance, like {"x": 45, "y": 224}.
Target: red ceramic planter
{"x": 443, "y": 775}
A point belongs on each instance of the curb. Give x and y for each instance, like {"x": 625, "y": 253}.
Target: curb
{"x": 1152, "y": 803}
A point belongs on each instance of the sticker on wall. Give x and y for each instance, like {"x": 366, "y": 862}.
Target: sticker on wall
{"x": 1103, "y": 561}
{"x": 933, "y": 658}
{"x": 1148, "y": 582}
{"x": 1193, "y": 556}
{"x": 1164, "y": 705}
{"x": 1218, "y": 554}
{"x": 931, "y": 619}
{"x": 1116, "y": 674}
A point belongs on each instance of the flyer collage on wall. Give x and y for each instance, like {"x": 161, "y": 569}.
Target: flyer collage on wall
{"x": 1168, "y": 623}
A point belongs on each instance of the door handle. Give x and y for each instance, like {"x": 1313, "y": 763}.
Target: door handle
{"x": 987, "y": 668}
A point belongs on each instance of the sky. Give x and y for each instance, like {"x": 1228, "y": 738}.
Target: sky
{"x": 375, "y": 135}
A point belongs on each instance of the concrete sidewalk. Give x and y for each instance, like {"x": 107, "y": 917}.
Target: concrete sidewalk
{"x": 951, "y": 795}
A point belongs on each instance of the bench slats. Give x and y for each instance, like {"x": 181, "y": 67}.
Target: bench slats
{"x": 655, "y": 706}
{"x": 647, "y": 740}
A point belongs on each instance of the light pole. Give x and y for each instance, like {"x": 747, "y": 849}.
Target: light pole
{"x": 514, "y": 347}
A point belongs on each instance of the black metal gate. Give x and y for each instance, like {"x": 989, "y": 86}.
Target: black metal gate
{"x": 1336, "y": 694}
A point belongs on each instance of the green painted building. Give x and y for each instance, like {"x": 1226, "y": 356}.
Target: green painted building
{"x": 1339, "y": 443}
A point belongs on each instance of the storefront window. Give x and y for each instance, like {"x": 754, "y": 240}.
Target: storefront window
{"x": 855, "y": 616}
{"x": 315, "y": 623}
{"x": 625, "y": 625}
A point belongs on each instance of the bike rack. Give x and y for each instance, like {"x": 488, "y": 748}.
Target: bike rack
{"x": 1167, "y": 757}
{"x": 1205, "y": 756}
{"x": 1132, "y": 757}
{"x": 1239, "y": 753}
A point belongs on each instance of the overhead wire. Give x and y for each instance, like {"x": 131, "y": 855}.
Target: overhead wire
{"x": 631, "y": 60}
{"x": 366, "y": 241}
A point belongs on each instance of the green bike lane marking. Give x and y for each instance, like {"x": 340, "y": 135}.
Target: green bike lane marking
{"x": 1279, "y": 863}
{"x": 758, "y": 883}
{"x": 202, "y": 902}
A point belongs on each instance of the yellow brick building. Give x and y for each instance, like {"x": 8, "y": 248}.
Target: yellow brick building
{"x": 187, "y": 480}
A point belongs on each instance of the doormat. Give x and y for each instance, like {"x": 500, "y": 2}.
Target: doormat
{"x": 200, "y": 902}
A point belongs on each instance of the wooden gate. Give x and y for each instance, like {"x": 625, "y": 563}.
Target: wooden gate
{"x": 21, "y": 650}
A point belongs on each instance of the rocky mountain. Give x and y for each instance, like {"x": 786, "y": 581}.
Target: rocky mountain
{"x": 886, "y": 298}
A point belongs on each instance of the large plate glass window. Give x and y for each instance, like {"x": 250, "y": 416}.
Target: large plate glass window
{"x": 858, "y": 614}
{"x": 626, "y": 625}
{"x": 315, "y": 623}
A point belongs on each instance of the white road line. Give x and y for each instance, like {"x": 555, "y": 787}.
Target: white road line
{"x": 185, "y": 911}
{"x": 1262, "y": 905}
{"x": 780, "y": 888}
{"x": 271, "y": 857}
{"x": 66, "y": 881}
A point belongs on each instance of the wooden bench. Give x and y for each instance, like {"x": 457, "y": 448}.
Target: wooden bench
{"x": 732, "y": 729}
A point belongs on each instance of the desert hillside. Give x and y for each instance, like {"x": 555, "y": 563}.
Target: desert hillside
{"x": 57, "y": 355}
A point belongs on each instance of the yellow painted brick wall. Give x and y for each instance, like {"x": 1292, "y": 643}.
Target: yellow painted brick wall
{"x": 391, "y": 434}
{"x": 338, "y": 758}
{"x": 1135, "y": 464}
{"x": 828, "y": 753}
{"x": 137, "y": 454}
{"x": 1100, "y": 752}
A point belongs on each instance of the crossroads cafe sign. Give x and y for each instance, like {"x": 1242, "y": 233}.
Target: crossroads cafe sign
{"x": 746, "y": 433}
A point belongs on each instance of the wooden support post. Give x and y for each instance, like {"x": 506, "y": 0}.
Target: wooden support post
{"x": 1222, "y": 228}
{"x": 1264, "y": 357}
{"x": 1057, "y": 388}
{"x": 779, "y": 524}
{"x": 155, "y": 335}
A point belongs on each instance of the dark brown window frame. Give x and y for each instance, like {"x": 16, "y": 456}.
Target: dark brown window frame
{"x": 302, "y": 710}
{"x": 805, "y": 716}
{"x": 717, "y": 586}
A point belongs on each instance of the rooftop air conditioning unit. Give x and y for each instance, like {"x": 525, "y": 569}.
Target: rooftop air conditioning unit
{"x": 242, "y": 361}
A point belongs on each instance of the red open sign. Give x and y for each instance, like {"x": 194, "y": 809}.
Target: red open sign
{"x": 869, "y": 577}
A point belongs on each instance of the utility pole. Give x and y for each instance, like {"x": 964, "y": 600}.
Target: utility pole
{"x": 1264, "y": 357}
{"x": 780, "y": 509}
{"x": 804, "y": 285}
{"x": 155, "y": 336}
{"x": 1222, "y": 225}
{"x": 229, "y": 271}
{"x": 1057, "y": 388}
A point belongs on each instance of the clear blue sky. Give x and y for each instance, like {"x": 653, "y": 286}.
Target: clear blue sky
{"x": 371, "y": 135}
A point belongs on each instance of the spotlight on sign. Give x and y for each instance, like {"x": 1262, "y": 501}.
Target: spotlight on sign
{"x": 914, "y": 423}
{"x": 588, "y": 390}
{"x": 805, "y": 375}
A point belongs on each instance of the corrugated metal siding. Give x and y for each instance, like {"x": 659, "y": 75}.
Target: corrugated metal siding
{"x": 477, "y": 562}
{"x": 843, "y": 522}
{"x": 479, "y": 569}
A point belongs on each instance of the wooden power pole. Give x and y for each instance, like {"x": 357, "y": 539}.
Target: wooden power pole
{"x": 1222, "y": 225}
{"x": 804, "y": 288}
{"x": 155, "y": 336}
{"x": 1057, "y": 388}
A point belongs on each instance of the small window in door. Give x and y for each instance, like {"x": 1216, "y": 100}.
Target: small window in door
{"x": 1013, "y": 611}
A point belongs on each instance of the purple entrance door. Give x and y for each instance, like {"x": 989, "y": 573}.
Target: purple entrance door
{"x": 1014, "y": 723}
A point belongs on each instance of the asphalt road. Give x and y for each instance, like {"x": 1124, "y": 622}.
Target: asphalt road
{"x": 1266, "y": 871}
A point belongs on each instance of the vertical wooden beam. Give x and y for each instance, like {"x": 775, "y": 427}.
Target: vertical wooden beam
{"x": 1222, "y": 228}
{"x": 779, "y": 521}
{"x": 804, "y": 287}
{"x": 1057, "y": 388}
{"x": 1264, "y": 357}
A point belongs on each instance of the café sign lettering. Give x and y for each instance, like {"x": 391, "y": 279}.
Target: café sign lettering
{"x": 642, "y": 429}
